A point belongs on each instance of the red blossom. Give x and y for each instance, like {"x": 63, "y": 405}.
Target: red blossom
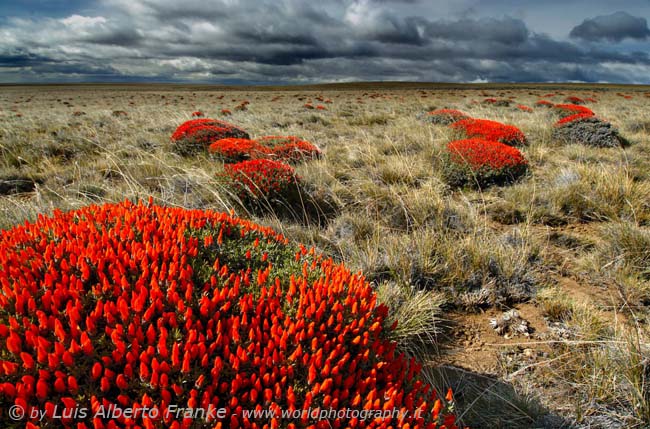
{"x": 544, "y": 103}
{"x": 574, "y": 100}
{"x": 572, "y": 109}
{"x": 289, "y": 148}
{"x": 445, "y": 116}
{"x": 479, "y": 154}
{"x": 161, "y": 306}
{"x": 195, "y": 135}
{"x": 573, "y": 118}
{"x": 491, "y": 130}
{"x": 262, "y": 177}
{"x": 235, "y": 150}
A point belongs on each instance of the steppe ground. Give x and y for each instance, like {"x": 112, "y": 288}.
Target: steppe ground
{"x": 568, "y": 246}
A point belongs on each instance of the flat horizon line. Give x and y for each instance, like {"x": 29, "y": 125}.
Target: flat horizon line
{"x": 338, "y": 85}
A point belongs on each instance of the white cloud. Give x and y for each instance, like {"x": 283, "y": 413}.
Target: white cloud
{"x": 83, "y": 22}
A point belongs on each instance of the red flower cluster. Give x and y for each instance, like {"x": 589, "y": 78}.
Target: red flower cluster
{"x": 573, "y": 118}
{"x": 289, "y": 148}
{"x": 197, "y": 114}
{"x": 445, "y": 116}
{"x": 243, "y": 106}
{"x": 134, "y": 306}
{"x": 500, "y": 102}
{"x": 235, "y": 150}
{"x": 544, "y": 103}
{"x": 491, "y": 130}
{"x": 281, "y": 148}
{"x": 524, "y": 108}
{"x": 572, "y": 109}
{"x": 574, "y": 100}
{"x": 204, "y": 128}
{"x": 482, "y": 163}
{"x": 226, "y": 112}
{"x": 195, "y": 135}
{"x": 262, "y": 178}
{"x": 480, "y": 154}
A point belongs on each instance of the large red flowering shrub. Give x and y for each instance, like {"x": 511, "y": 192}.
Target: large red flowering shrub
{"x": 265, "y": 185}
{"x": 195, "y": 135}
{"x": 544, "y": 103}
{"x": 236, "y": 150}
{"x": 262, "y": 178}
{"x": 479, "y": 162}
{"x": 444, "y": 116}
{"x": 574, "y": 100}
{"x": 572, "y": 109}
{"x": 571, "y": 118}
{"x": 131, "y": 306}
{"x": 497, "y": 102}
{"x": 491, "y": 130}
{"x": 289, "y": 148}
{"x": 585, "y": 128}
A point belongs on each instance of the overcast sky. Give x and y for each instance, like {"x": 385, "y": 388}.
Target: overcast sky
{"x": 300, "y": 41}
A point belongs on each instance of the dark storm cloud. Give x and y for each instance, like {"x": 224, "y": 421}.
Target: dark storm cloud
{"x": 614, "y": 27}
{"x": 20, "y": 58}
{"x": 395, "y": 1}
{"x": 119, "y": 37}
{"x": 297, "y": 41}
{"x": 506, "y": 30}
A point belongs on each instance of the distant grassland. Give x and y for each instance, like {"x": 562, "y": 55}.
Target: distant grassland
{"x": 341, "y": 86}
{"x": 571, "y": 241}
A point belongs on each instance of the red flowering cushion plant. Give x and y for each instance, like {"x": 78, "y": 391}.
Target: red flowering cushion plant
{"x": 572, "y": 109}
{"x": 574, "y": 117}
{"x": 444, "y": 116}
{"x": 497, "y": 102}
{"x": 195, "y": 136}
{"x": 478, "y": 162}
{"x": 236, "y": 150}
{"x": 289, "y": 148}
{"x": 265, "y": 185}
{"x": 574, "y": 100}
{"x": 491, "y": 130}
{"x": 154, "y": 308}
{"x": 544, "y": 103}
{"x": 587, "y": 129}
